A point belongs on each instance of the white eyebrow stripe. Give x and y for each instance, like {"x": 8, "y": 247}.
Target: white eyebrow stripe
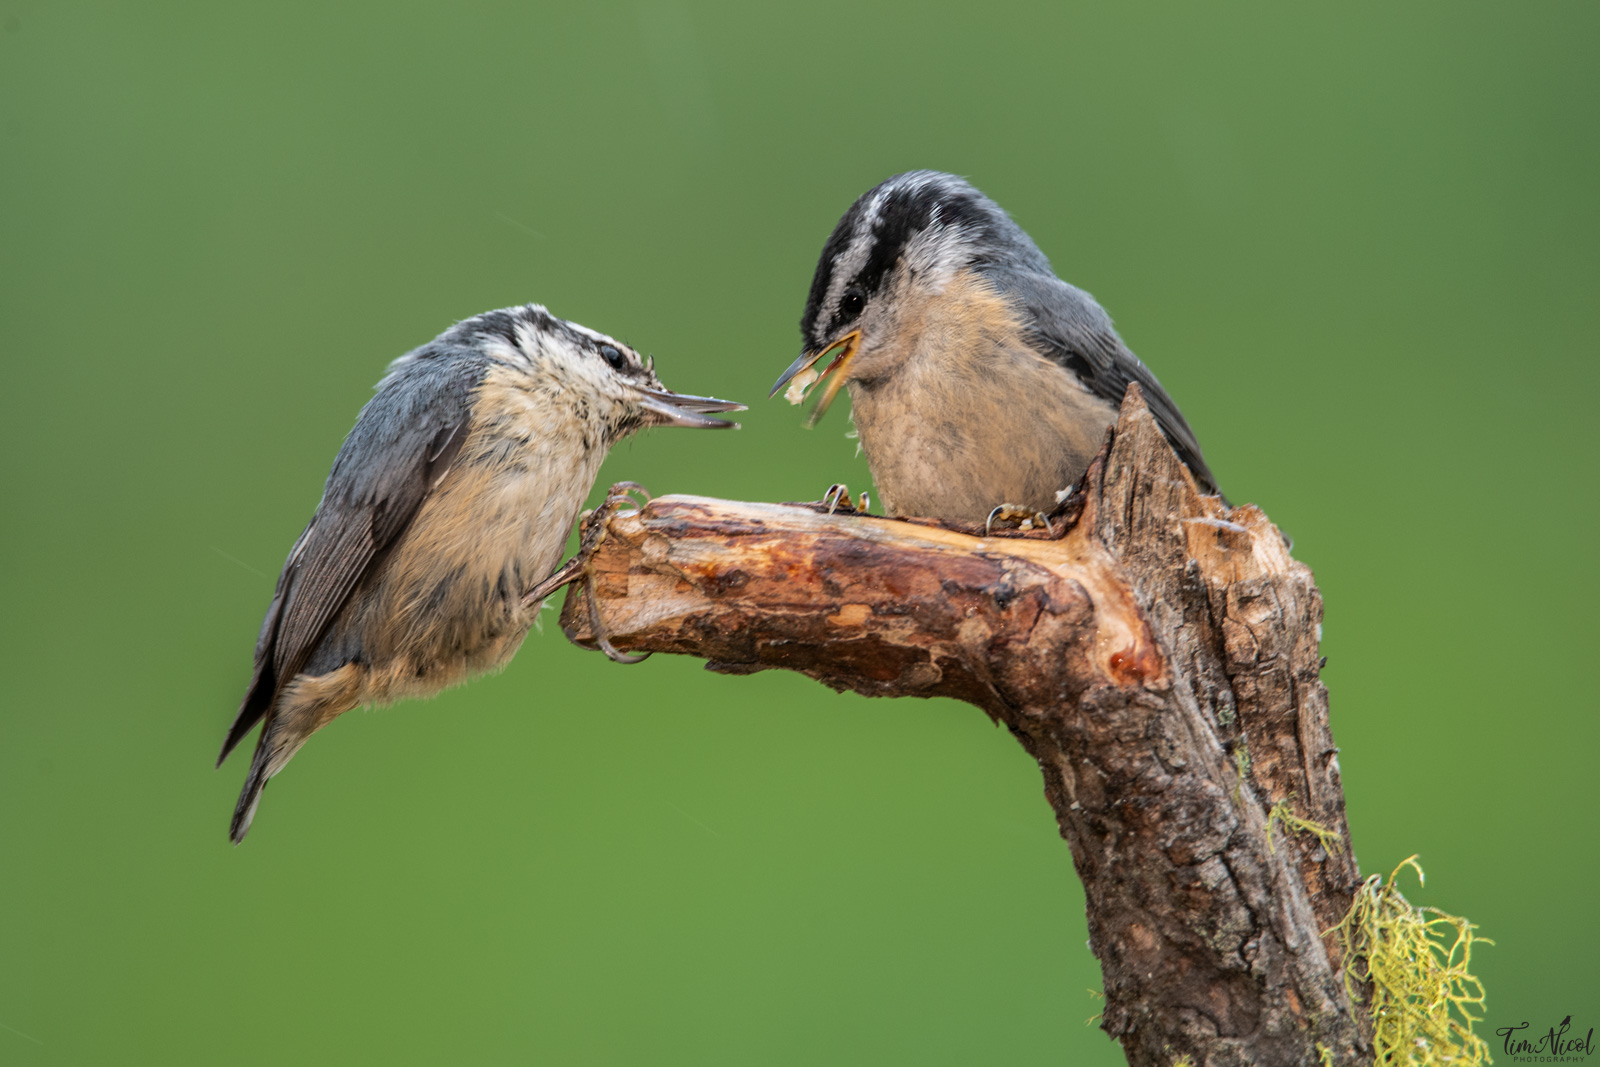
{"x": 594, "y": 335}
{"x": 938, "y": 256}
{"x": 850, "y": 262}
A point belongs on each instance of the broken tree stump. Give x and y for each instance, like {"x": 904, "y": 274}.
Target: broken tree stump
{"x": 1156, "y": 653}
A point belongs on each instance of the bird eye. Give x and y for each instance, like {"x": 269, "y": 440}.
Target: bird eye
{"x": 852, "y": 304}
{"x": 614, "y": 358}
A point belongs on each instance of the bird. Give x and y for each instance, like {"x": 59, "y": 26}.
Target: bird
{"x": 450, "y": 500}
{"x": 980, "y": 383}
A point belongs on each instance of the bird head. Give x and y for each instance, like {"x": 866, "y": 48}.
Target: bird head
{"x": 593, "y": 379}
{"x": 900, "y": 246}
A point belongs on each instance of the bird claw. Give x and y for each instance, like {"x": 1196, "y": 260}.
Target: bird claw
{"x": 622, "y": 493}
{"x": 838, "y": 495}
{"x": 1025, "y": 518}
{"x": 602, "y": 641}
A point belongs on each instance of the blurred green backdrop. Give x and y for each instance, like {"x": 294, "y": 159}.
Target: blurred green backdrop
{"x": 1360, "y": 248}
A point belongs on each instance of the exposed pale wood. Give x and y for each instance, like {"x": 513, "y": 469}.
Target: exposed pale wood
{"x": 1138, "y": 655}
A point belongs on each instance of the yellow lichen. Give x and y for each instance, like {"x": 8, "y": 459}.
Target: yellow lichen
{"x": 1241, "y": 763}
{"x": 1282, "y": 813}
{"x": 1417, "y": 960}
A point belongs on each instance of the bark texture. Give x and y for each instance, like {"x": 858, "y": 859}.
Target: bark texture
{"x": 1156, "y": 653}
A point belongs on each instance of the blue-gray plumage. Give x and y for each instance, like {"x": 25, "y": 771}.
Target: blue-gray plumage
{"x": 977, "y": 377}
{"x": 450, "y": 500}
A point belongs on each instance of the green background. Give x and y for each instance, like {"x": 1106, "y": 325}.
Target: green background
{"x": 1360, "y": 249}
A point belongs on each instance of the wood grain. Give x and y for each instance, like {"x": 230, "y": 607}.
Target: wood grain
{"x": 1157, "y": 655}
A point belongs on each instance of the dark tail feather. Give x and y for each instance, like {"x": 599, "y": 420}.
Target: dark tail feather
{"x": 256, "y": 703}
{"x": 263, "y": 680}
{"x": 250, "y": 796}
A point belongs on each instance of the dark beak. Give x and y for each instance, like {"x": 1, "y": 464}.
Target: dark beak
{"x": 805, "y": 360}
{"x": 681, "y": 409}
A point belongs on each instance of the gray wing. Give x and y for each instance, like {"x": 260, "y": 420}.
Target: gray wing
{"x": 1073, "y": 330}
{"x": 402, "y": 445}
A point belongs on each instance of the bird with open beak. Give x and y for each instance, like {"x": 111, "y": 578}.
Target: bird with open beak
{"x": 979, "y": 381}
{"x": 448, "y": 505}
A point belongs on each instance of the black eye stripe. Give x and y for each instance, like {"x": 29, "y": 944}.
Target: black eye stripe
{"x": 822, "y": 280}
{"x": 903, "y": 207}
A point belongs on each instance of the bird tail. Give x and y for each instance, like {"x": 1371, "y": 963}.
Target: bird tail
{"x": 306, "y": 706}
{"x": 281, "y": 738}
{"x": 250, "y": 796}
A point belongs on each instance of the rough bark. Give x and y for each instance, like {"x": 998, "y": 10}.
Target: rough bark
{"x": 1156, "y": 653}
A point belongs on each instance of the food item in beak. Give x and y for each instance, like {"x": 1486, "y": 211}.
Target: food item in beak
{"x": 796, "y": 393}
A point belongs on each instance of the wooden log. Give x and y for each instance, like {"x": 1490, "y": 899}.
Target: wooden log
{"x": 1155, "y": 652}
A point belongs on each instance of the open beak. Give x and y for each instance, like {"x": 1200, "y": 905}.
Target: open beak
{"x": 802, "y": 374}
{"x": 667, "y": 408}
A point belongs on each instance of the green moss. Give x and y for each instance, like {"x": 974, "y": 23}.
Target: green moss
{"x": 1417, "y": 959}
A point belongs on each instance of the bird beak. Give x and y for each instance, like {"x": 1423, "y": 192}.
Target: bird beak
{"x": 801, "y": 376}
{"x": 667, "y": 408}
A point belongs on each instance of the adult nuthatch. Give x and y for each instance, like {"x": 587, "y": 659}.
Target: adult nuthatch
{"x": 449, "y": 502}
{"x": 977, "y": 377}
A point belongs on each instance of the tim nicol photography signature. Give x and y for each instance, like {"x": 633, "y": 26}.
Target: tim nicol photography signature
{"x": 1553, "y": 1047}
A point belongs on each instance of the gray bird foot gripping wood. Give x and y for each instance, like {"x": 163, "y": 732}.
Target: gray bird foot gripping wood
{"x": 577, "y": 569}
{"x": 837, "y": 499}
{"x": 1156, "y": 655}
{"x": 1025, "y": 518}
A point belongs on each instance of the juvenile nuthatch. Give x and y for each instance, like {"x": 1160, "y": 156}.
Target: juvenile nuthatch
{"x": 977, "y": 377}
{"x": 448, "y": 503}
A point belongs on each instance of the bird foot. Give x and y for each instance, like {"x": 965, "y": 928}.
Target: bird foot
{"x": 838, "y": 496}
{"x": 1025, "y": 518}
{"x": 570, "y": 571}
{"x": 622, "y": 493}
{"x": 604, "y": 642}
{"x": 578, "y": 569}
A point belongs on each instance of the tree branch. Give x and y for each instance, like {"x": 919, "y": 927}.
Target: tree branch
{"x": 1157, "y": 655}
